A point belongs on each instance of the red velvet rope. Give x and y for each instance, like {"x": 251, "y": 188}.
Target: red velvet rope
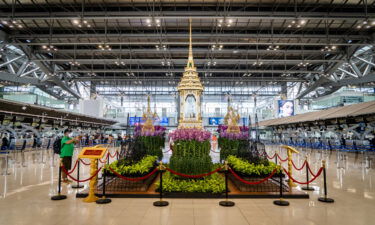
{"x": 112, "y": 156}
{"x": 71, "y": 171}
{"x": 84, "y": 163}
{"x": 102, "y": 161}
{"x": 303, "y": 165}
{"x": 132, "y": 179}
{"x": 282, "y": 160}
{"x": 274, "y": 155}
{"x": 308, "y": 167}
{"x": 308, "y": 182}
{"x": 194, "y": 176}
{"x": 65, "y": 171}
{"x": 252, "y": 183}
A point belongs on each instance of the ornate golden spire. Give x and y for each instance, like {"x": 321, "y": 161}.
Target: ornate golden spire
{"x": 190, "y": 79}
{"x": 190, "y": 63}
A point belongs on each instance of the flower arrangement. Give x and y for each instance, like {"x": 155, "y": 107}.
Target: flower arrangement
{"x": 191, "y": 151}
{"x": 190, "y": 134}
{"x": 150, "y": 142}
{"x": 232, "y": 143}
{"x": 159, "y": 131}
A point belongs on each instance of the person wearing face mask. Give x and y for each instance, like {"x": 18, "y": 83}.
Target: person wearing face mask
{"x": 67, "y": 149}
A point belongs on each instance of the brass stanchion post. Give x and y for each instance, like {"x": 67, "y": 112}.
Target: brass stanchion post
{"x": 103, "y": 199}
{"x": 78, "y": 167}
{"x": 281, "y": 201}
{"x": 307, "y": 188}
{"x": 226, "y": 203}
{"x": 59, "y": 196}
{"x": 325, "y": 198}
{"x": 161, "y": 203}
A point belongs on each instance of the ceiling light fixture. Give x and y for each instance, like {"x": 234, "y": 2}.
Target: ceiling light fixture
{"x": 273, "y": 48}
{"x": 297, "y": 23}
{"x": 81, "y": 23}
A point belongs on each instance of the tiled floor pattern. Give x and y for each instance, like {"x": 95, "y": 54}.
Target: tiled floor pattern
{"x": 25, "y": 199}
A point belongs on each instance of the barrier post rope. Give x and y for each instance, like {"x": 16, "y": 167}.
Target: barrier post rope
{"x": 226, "y": 203}
{"x": 59, "y": 196}
{"x": 108, "y": 157}
{"x": 307, "y": 188}
{"x": 161, "y": 203}
{"x": 276, "y": 157}
{"x": 103, "y": 199}
{"x": 78, "y": 167}
{"x": 117, "y": 155}
{"x": 281, "y": 201}
{"x": 325, "y": 198}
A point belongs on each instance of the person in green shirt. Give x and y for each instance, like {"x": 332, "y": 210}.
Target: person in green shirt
{"x": 66, "y": 154}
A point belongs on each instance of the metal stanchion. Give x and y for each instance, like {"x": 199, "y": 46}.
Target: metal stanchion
{"x": 325, "y": 198}
{"x": 226, "y": 203}
{"x": 6, "y": 165}
{"x": 276, "y": 157}
{"x": 103, "y": 199}
{"x": 78, "y": 185}
{"x": 281, "y": 201}
{"x": 59, "y": 196}
{"x": 307, "y": 188}
{"x": 161, "y": 203}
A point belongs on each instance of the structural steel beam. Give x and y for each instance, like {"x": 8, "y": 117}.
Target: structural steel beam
{"x": 220, "y": 61}
{"x": 229, "y": 71}
{"x": 211, "y": 79}
{"x": 184, "y": 50}
{"x": 185, "y": 15}
{"x": 185, "y": 43}
{"x": 22, "y": 80}
{"x": 196, "y": 35}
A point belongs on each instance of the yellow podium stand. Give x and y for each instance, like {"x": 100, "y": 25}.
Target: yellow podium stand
{"x": 291, "y": 150}
{"x": 94, "y": 154}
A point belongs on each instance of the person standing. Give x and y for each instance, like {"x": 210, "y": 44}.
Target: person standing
{"x": 67, "y": 149}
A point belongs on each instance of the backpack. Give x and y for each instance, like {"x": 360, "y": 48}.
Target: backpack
{"x": 57, "y": 146}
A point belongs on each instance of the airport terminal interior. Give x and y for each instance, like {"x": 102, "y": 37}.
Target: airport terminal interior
{"x": 212, "y": 112}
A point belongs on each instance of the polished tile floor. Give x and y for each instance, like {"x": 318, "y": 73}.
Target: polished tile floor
{"x": 25, "y": 198}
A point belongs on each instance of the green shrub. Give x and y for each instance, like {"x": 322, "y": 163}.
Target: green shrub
{"x": 191, "y": 157}
{"x": 232, "y": 147}
{"x": 131, "y": 168}
{"x": 151, "y": 145}
{"x": 246, "y": 168}
{"x": 214, "y": 183}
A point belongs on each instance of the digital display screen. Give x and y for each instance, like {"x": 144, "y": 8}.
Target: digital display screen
{"x": 164, "y": 121}
{"x": 285, "y": 108}
{"x": 215, "y": 120}
{"x": 135, "y": 121}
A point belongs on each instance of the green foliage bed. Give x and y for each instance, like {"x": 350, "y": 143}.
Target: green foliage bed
{"x": 128, "y": 167}
{"x": 214, "y": 183}
{"x": 246, "y": 168}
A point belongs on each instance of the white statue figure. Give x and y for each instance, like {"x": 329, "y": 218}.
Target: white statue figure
{"x": 190, "y": 107}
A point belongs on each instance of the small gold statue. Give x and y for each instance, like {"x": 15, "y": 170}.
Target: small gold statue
{"x": 149, "y": 116}
{"x": 231, "y": 120}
